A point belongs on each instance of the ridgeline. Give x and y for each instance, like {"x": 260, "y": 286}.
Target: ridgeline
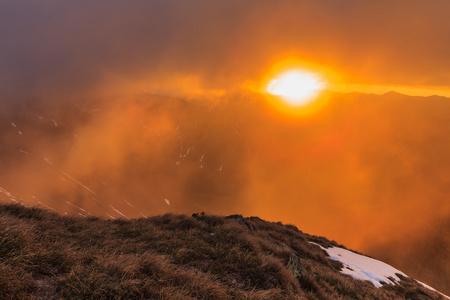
{"x": 47, "y": 256}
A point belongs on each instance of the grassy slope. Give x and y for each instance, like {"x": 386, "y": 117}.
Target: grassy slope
{"x": 47, "y": 256}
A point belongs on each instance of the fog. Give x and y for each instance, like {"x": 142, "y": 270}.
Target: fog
{"x": 368, "y": 171}
{"x": 131, "y": 110}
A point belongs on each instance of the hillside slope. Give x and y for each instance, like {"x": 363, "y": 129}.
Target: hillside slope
{"x": 47, "y": 256}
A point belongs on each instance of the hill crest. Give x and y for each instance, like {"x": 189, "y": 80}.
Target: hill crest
{"x": 47, "y": 256}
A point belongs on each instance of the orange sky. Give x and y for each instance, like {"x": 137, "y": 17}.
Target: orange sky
{"x": 52, "y": 49}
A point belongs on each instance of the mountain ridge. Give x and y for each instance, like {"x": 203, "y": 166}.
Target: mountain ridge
{"x": 46, "y": 256}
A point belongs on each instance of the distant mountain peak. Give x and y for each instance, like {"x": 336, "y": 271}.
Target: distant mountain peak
{"x": 393, "y": 93}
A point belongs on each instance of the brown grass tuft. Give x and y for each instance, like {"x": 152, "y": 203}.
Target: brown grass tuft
{"x": 46, "y": 256}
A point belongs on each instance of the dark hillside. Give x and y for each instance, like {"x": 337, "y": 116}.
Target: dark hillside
{"x": 47, "y": 256}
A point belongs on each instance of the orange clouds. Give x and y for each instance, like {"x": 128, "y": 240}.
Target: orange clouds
{"x": 354, "y": 170}
{"x": 71, "y": 51}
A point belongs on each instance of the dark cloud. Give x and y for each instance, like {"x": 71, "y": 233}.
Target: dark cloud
{"x": 66, "y": 50}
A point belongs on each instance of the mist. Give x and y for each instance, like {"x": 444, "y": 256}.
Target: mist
{"x": 126, "y": 111}
{"x": 368, "y": 171}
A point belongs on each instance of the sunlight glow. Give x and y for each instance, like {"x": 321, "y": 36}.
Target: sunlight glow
{"x": 296, "y": 88}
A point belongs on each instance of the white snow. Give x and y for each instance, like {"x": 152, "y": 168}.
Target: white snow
{"x": 80, "y": 208}
{"x": 430, "y": 288}
{"x": 119, "y": 212}
{"x": 48, "y": 160}
{"x": 13, "y": 124}
{"x": 364, "y": 268}
{"x": 2, "y": 190}
{"x": 128, "y": 203}
{"x": 70, "y": 177}
{"x": 167, "y": 201}
{"x": 427, "y": 286}
{"x": 11, "y": 197}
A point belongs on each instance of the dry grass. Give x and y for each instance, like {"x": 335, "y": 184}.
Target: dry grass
{"x": 46, "y": 256}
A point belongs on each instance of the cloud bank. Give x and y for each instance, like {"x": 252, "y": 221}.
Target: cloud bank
{"x": 84, "y": 49}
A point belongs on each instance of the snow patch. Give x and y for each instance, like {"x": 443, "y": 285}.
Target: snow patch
{"x": 430, "y": 288}
{"x": 364, "y": 268}
{"x": 167, "y": 201}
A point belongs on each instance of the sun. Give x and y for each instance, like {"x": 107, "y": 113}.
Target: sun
{"x": 296, "y": 88}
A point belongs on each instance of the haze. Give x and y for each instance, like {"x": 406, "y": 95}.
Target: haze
{"x": 135, "y": 109}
